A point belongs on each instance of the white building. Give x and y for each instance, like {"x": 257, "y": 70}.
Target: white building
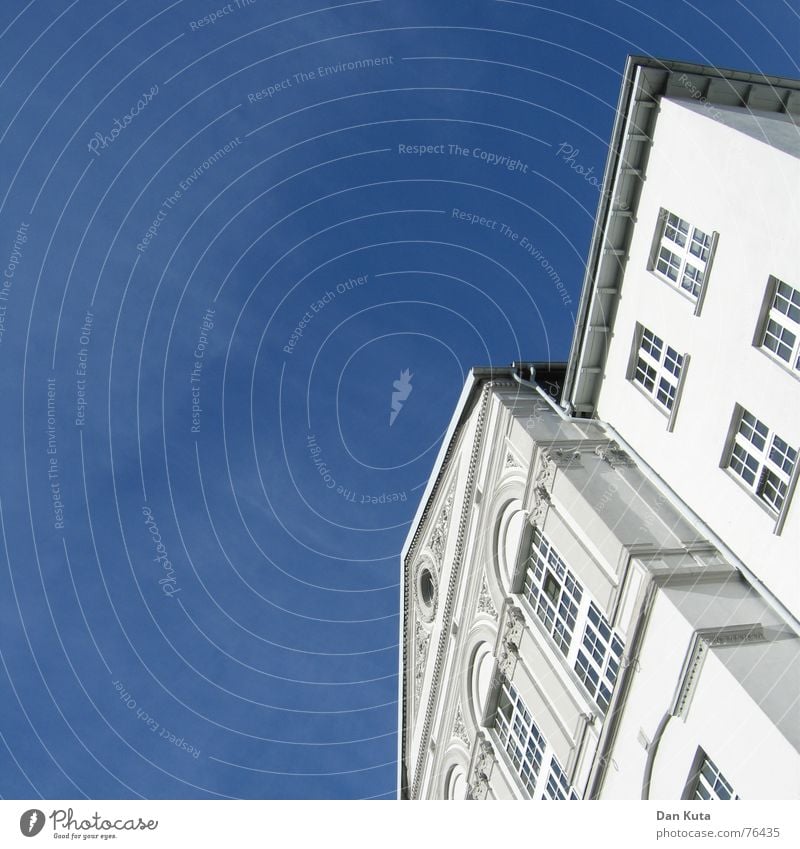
{"x": 600, "y": 591}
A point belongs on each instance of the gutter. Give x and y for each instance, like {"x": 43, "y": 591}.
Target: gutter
{"x": 600, "y": 222}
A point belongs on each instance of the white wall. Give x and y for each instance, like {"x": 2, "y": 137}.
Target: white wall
{"x": 718, "y": 179}
{"x": 721, "y": 719}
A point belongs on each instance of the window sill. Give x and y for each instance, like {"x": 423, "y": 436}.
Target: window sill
{"x": 676, "y": 287}
{"x": 782, "y": 364}
{"x": 777, "y": 517}
{"x": 669, "y": 415}
{"x": 698, "y": 301}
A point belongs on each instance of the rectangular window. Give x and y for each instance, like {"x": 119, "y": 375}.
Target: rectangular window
{"x": 781, "y": 334}
{"x": 657, "y": 368}
{"x": 683, "y": 253}
{"x": 711, "y": 783}
{"x": 599, "y": 658}
{"x": 558, "y": 787}
{"x": 762, "y": 459}
{"x": 552, "y": 591}
{"x": 519, "y": 736}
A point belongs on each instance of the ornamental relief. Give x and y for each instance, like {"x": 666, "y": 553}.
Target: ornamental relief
{"x": 541, "y": 504}
{"x": 421, "y": 643}
{"x": 613, "y": 455}
{"x": 546, "y": 472}
{"x": 459, "y": 727}
{"x": 425, "y": 590}
{"x": 438, "y": 537}
{"x": 485, "y": 603}
{"x": 508, "y": 653}
{"x": 481, "y": 770}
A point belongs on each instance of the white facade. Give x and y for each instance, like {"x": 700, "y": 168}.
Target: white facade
{"x": 600, "y": 599}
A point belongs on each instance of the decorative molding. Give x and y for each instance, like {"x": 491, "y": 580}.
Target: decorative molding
{"x": 508, "y": 654}
{"x": 734, "y": 635}
{"x": 415, "y": 779}
{"x": 547, "y": 471}
{"x": 541, "y": 504}
{"x": 485, "y": 603}
{"x": 565, "y": 458}
{"x": 704, "y": 640}
{"x": 459, "y": 728}
{"x": 549, "y": 461}
{"x": 483, "y": 764}
{"x": 438, "y": 538}
{"x": 426, "y": 612}
{"x": 511, "y": 461}
{"x": 421, "y": 643}
{"x": 612, "y": 454}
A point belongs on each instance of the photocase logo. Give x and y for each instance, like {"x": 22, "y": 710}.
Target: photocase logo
{"x": 402, "y": 389}
{"x": 31, "y": 822}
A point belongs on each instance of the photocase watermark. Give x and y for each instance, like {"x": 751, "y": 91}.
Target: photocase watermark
{"x": 488, "y": 157}
{"x": 318, "y": 73}
{"x": 475, "y": 219}
{"x": 698, "y": 95}
{"x": 212, "y": 17}
{"x": 198, "y": 172}
{"x": 402, "y": 389}
{"x": 653, "y": 514}
{"x": 101, "y": 141}
{"x": 528, "y": 246}
{"x": 164, "y": 733}
{"x": 96, "y": 826}
{"x": 318, "y": 305}
{"x": 169, "y": 583}
{"x": 606, "y": 497}
{"x": 183, "y": 186}
{"x": 31, "y": 822}
{"x": 163, "y": 211}
{"x": 80, "y": 370}
{"x": 53, "y": 469}
{"x": 569, "y": 155}
{"x": 9, "y": 273}
{"x": 206, "y": 326}
{"x": 330, "y": 482}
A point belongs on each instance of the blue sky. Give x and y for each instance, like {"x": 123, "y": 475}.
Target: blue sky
{"x": 217, "y": 261}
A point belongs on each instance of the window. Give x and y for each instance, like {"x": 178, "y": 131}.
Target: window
{"x": 558, "y": 786}
{"x": 682, "y": 253}
{"x": 762, "y": 459}
{"x": 599, "y": 657}
{"x": 781, "y": 333}
{"x": 552, "y": 590}
{"x": 657, "y": 368}
{"x": 561, "y": 604}
{"x": 519, "y": 735}
{"x": 527, "y": 748}
{"x": 711, "y": 783}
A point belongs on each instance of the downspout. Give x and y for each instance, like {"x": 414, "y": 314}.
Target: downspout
{"x": 621, "y": 693}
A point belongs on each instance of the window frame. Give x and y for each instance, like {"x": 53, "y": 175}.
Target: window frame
{"x": 697, "y": 777}
{"x": 548, "y": 568}
{"x": 507, "y": 733}
{"x": 784, "y": 321}
{"x": 684, "y": 254}
{"x": 765, "y": 466}
{"x": 607, "y": 676}
{"x": 661, "y": 372}
{"x": 557, "y": 776}
{"x": 575, "y": 645}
